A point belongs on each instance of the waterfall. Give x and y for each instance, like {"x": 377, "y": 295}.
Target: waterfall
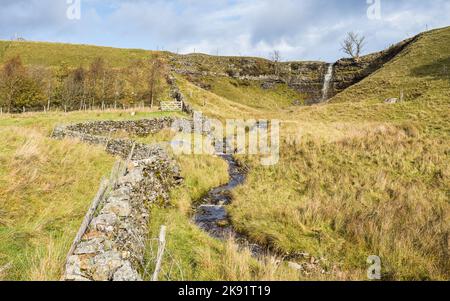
{"x": 327, "y": 82}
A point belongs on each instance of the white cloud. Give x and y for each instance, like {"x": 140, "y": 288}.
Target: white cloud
{"x": 300, "y": 29}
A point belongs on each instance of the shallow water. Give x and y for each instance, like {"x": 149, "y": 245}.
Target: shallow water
{"x": 211, "y": 216}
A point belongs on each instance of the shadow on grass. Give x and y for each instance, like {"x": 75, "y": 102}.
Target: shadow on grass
{"x": 439, "y": 69}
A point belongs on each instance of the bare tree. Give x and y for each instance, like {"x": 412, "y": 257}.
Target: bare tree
{"x": 353, "y": 45}
{"x": 275, "y": 56}
{"x": 156, "y": 72}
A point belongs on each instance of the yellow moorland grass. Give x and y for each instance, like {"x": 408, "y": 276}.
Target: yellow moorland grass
{"x": 384, "y": 192}
{"x": 357, "y": 177}
{"x": 46, "y": 187}
{"x": 192, "y": 254}
{"x": 45, "y": 190}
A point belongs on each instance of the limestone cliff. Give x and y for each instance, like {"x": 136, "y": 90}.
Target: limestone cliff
{"x": 304, "y": 77}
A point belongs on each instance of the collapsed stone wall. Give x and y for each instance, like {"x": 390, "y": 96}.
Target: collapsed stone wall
{"x": 113, "y": 246}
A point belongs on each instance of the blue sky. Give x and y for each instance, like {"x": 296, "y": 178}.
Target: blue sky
{"x": 299, "y": 29}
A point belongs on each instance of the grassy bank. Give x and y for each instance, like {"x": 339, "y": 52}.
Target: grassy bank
{"x": 192, "y": 254}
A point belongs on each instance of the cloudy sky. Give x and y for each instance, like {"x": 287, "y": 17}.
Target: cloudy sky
{"x": 299, "y": 29}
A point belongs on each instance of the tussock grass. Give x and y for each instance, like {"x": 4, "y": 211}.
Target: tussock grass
{"x": 46, "y": 187}
{"x": 382, "y": 193}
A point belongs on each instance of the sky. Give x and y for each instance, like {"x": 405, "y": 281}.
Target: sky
{"x": 298, "y": 29}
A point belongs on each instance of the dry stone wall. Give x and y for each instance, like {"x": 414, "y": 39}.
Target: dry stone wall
{"x": 112, "y": 248}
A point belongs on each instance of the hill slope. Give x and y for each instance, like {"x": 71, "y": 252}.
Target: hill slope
{"x": 421, "y": 71}
{"x": 53, "y": 54}
{"x": 356, "y": 176}
{"x": 302, "y": 77}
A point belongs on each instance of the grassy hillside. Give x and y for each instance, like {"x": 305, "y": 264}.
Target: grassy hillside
{"x": 251, "y": 93}
{"x": 53, "y": 54}
{"x": 357, "y": 177}
{"x": 422, "y": 72}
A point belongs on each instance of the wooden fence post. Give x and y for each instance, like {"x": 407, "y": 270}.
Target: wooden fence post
{"x": 130, "y": 156}
{"x": 88, "y": 218}
{"x": 161, "y": 247}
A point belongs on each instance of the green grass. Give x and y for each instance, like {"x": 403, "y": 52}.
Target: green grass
{"x": 357, "y": 177}
{"x": 251, "y": 93}
{"x": 46, "y": 187}
{"x": 422, "y": 72}
{"x": 53, "y": 54}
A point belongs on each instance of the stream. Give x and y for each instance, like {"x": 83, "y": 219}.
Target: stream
{"x": 211, "y": 216}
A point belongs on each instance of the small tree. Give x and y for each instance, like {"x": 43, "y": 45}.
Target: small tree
{"x": 157, "y": 71}
{"x": 96, "y": 80}
{"x": 12, "y": 75}
{"x": 353, "y": 45}
{"x": 275, "y": 56}
{"x": 17, "y": 88}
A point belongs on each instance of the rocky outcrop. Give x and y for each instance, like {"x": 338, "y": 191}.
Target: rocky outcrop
{"x": 348, "y": 72}
{"x": 113, "y": 246}
{"x": 304, "y": 77}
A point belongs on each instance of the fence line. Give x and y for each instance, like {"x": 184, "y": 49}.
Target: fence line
{"x": 89, "y": 216}
{"x": 161, "y": 248}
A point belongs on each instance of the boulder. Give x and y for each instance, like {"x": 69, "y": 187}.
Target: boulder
{"x": 295, "y": 266}
{"x": 73, "y": 270}
{"x": 92, "y": 246}
{"x": 133, "y": 177}
{"x": 126, "y": 273}
{"x": 118, "y": 207}
{"x": 105, "y": 222}
{"x": 106, "y": 265}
